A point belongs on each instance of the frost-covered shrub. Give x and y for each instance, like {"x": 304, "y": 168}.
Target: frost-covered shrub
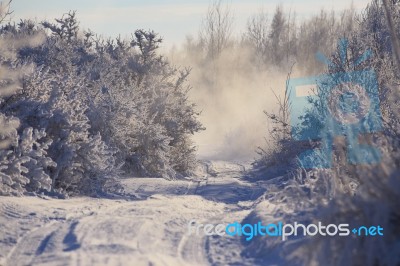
{"x": 12, "y": 180}
{"x": 358, "y": 194}
{"x": 25, "y": 165}
{"x": 279, "y": 157}
{"x": 95, "y": 106}
{"x": 136, "y": 100}
{"x": 346, "y": 193}
{"x": 54, "y": 105}
{"x": 54, "y": 149}
{"x": 378, "y": 190}
{"x": 33, "y": 146}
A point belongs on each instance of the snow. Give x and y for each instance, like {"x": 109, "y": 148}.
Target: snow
{"x": 147, "y": 227}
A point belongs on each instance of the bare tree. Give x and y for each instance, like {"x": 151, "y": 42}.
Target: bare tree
{"x": 277, "y": 34}
{"x": 281, "y": 119}
{"x": 216, "y": 28}
{"x": 5, "y": 11}
{"x": 291, "y": 33}
{"x": 257, "y": 34}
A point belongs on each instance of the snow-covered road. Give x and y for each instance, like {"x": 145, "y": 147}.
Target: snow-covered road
{"x": 151, "y": 229}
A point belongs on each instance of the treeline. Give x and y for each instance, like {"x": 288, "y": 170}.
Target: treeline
{"x": 274, "y": 38}
{"x": 77, "y": 110}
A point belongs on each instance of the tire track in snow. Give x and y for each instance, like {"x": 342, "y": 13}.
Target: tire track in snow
{"x": 152, "y": 231}
{"x": 216, "y": 250}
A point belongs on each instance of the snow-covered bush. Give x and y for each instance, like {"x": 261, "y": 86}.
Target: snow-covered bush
{"x": 90, "y": 106}
{"x": 139, "y": 103}
{"x": 279, "y": 155}
{"x": 53, "y": 104}
{"x": 24, "y": 164}
{"x": 375, "y": 198}
{"x": 358, "y": 194}
{"x": 33, "y": 147}
{"x": 136, "y": 99}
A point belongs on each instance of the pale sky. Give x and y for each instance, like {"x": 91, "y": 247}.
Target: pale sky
{"x": 172, "y": 19}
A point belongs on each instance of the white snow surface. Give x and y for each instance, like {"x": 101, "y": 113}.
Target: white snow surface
{"x": 147, "y": 227}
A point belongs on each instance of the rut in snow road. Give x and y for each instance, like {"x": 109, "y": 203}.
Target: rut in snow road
{"x": 150, "y": 231}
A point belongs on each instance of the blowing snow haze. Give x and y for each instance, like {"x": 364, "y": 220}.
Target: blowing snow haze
{"x": 232, "y": 104}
